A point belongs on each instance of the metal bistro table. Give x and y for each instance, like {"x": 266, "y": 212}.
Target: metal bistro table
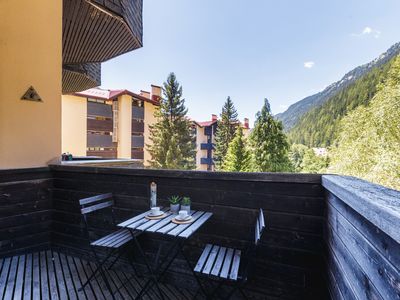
{"x": 180, "y": 234}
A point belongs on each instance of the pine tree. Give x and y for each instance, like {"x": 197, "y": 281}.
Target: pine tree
{"x": 173, "y": 145}
{"x": 238, "y": 157}
{"x": 226, "y": 128}
{"x": 269, "y": 143}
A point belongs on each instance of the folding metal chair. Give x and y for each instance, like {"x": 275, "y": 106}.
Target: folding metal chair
{"x": 227, "y": 266}
{"x": 115, "y": 243}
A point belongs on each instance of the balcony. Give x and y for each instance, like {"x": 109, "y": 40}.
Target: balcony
{"x": 206, "y": 161}
{"x": 327, "y": 237}
{"x": 207, "y": 146}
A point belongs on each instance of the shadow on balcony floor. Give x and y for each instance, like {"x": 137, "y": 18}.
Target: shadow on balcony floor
{"x": 55, "y": 275}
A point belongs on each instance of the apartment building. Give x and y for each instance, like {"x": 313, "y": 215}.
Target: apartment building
{"x": 205, "y": 141}
{"x": 108, "y": 123}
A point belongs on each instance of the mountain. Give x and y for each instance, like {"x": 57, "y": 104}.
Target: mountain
{"x": 294, "y": 113}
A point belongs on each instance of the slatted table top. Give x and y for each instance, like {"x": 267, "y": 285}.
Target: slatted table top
{"x": 165, "y": 225}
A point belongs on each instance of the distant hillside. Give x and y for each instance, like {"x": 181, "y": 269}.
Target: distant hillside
{"x": 319, "y": 126}
{"x": 293, "y": 114}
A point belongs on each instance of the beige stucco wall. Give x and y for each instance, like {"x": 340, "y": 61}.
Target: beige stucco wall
{"x": 200, "y": 138}
{"x": 149, "y": 119}
{"x": 30, "y": 54}
{"x": 74, "y": 125}
{"x": 124, "y": 126}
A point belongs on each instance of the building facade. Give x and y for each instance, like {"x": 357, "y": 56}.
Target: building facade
{"x": 108, "y": 123}
{"x": 205, "y": 141}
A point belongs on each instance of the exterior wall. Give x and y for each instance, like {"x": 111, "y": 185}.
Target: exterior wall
{"x": 74, "y": 125}
{"x": 200, "y": 138}
{"x": 124, "y": 126}
{"x": 30, "y": 132}
{"x": 149, "y": 119}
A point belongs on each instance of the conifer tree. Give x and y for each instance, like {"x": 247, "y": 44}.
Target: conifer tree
{"x": 238, "y": 157}
{"x": 173, "y": 145}
{"x": 269, "y": 143}
{"x": 226, "y": 128}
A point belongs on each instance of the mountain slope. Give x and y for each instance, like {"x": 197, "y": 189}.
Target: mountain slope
{"x": 319, "y": 126}
{"x": 293, "y": 114}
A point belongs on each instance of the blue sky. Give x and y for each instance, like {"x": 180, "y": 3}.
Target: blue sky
{"x": 284, "y": 50}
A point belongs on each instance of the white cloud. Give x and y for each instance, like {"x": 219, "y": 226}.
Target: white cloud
{"x": 309, "y": 64}
{"x": 283, "y": 106}
{"x": 368, "y": 31}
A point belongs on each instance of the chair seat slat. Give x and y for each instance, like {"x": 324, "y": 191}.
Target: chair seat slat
{"x": 113, "y": 239}
{"x": 227, "y": 263}
{"x": 235, "y": 265}
{"x": 211, "y": 259}
{"x": 203, "y": 258}
{"x": 219, "y": 262}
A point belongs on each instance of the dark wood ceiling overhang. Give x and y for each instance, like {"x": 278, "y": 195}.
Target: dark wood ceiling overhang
{"x": 95, "y": 31}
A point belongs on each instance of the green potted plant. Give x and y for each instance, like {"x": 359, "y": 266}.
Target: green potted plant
{"x": 174, "y": 203}
{"x": 185, "y": 204}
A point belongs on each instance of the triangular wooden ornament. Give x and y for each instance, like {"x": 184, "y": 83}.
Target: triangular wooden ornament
{"x": 31, "y": 95}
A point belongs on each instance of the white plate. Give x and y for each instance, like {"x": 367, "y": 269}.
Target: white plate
{"x": 184, "y": 219}
{"x": 157, "y": 215}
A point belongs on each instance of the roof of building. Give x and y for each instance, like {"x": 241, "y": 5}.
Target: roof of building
{"x": 206, "y": 123}
{"x": 102, "y": 94}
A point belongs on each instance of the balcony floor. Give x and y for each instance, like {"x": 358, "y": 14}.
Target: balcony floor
{"x": 55, "y": 275}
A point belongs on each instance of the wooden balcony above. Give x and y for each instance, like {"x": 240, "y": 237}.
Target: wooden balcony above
{"x": 95, "y": 31}
{"x": 98, "y": 30}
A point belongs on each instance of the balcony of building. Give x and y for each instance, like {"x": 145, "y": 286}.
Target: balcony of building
{"x": 207, "y": 146}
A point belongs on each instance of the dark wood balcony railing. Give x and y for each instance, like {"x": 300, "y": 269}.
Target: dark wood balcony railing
{"x": 326, "y": 237}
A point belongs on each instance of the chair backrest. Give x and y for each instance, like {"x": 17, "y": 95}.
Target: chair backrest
{"x": 96, "y": 203}
{"x": 259, "y": 228}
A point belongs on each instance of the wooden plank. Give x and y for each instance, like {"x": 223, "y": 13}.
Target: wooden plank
{"x": 28, "y": 277}
{"x": 235, "y": 265}
{"x": 376, "y": 203}
{"x": 257, "y": 232}
{"x": 95, "y": 198}
{"x": 100, "y": 282}
{"x": 36, "y": 276}
{"x": 83, "y": 277}
{"x": 133, "y": 219}
{"x": 203, "y": 258}
{"x": 75, "y": 278}
{"x": 359, "y": 281}
{"x": 180, "y": 228}
{"x": 69, "y": 281}
{"x": 11, "y": 278}
{"x": 375, "y": 266}
{"x": 97, "y": 290}
{"x": 44, "y": 280}
{"x": 62, "y": 287}
{"x": 4, "y": 274}
{"x": 261, "y": 220}
{"x": 19, "y": 283}
{"x": 161, "y": 223}
{"x": 219, "y": 262}
{"x": 227, "y": 263}
{"x": 211, "y": 260}
{"x": 52, "y": 276}
{"x": 96, "y": 207}
{"x": 150, "y": 223}
{"x": 109, "y": 237}
{"x": 195, "y": 225}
